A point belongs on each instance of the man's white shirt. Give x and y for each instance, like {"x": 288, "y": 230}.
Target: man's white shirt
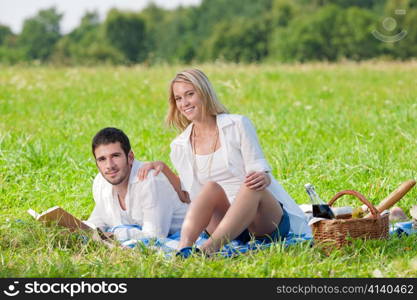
{"x": 153, "y": 204}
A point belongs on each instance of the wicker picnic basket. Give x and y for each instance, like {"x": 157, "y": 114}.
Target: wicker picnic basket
{"x": 334, "y": 233}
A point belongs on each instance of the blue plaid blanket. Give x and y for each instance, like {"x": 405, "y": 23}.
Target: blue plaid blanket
{"x": 401, "y": 228}
{"x": 169, "y": 245}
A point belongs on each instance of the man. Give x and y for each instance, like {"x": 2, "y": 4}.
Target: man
{"x": 121, "y": 198}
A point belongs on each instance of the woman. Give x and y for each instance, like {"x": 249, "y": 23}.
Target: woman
{"x": 223, "y": 171}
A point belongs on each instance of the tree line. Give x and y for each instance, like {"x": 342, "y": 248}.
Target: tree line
{"x": 227, "y": 30}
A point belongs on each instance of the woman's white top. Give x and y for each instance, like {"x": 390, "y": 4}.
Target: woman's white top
{"x": 241, "y": 153}
{"x": 212, "y": 167}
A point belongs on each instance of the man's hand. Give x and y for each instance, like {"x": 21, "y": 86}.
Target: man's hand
{"x": 158, "y": 166}
{"x": 104, "y": 237}
{"x": 257, "y": 181}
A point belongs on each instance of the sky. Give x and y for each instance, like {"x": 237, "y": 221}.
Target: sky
{"x": 14, "y": 12}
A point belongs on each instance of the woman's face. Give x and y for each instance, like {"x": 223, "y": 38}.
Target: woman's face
{"x": 188, "y": 101}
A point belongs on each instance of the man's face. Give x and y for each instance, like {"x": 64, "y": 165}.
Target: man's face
{"x": 113, "y": 163}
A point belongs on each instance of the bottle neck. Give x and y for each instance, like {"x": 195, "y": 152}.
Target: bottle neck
{"x": 315, "y": 199}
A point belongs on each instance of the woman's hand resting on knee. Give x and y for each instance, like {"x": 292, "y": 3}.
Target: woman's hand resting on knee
{"x": 257, "y": 181}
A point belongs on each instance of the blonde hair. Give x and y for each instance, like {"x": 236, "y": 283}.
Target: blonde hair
{"x": 203, "y": 87}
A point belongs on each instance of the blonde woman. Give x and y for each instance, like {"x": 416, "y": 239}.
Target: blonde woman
{"x": 223, "y": 171}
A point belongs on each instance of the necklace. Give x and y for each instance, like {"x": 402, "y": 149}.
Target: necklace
{"x": 209, "y": 161}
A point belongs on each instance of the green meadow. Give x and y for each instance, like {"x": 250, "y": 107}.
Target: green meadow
{"x": 338, "y": 126}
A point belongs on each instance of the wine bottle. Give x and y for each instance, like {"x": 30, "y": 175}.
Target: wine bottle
{"x": 320, "y": 208}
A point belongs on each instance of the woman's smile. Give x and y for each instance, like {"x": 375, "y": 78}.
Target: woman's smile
{"x": 187, "y": 100}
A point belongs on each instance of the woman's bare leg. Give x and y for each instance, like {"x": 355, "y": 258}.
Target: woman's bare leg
{"x": 205, "y": 212}
{"x": 256, "y": 210}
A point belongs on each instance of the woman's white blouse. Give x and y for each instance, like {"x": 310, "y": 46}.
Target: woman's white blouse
{"x": 211, "y": 167}
{"x": 242, "y": 153}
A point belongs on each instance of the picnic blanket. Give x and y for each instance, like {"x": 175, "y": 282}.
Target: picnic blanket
{"x": 169, "y": 245}
{"x": 402, "y": 228}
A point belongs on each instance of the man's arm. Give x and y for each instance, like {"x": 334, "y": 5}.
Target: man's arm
{"x": 97, "y": 217}
{"x": 157, "y": 199}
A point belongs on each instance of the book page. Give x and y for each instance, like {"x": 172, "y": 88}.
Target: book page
{"x": 63, "y": 218}
{"x": 33, "y": 213}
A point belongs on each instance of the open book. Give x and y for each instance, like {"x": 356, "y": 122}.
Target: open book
{"x": 60, "y": 216}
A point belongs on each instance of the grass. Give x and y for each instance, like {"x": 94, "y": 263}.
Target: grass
{"x": 342, "y": 126}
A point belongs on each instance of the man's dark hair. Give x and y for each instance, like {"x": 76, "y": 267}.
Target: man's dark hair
{"x": 110, "y": 135}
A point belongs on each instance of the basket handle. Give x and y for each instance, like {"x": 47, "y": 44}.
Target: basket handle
{"x": 374, "y": 211}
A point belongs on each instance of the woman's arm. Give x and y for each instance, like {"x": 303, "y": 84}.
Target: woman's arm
{"x": 160, "y": 166}
{"x": 256, "y": 166}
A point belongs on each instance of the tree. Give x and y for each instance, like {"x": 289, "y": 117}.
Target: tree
{"x": 349, "y": 3}
{"x": 244, "y": 40}
{"x": 89, "y": 22}
{"x": 282, "y": 12}
{"x": 154, "y": 18}
{"x": 5, "y": 33}
{"x": 353, "y": 38}
{"x": 406, "y": 47}
{"x": 126, "y": 33}
{"x": 9, "y": 54}
{"x": 174, "y": 38}
{"x": 211, "y": 12}
{"x": 308, "y": 37}
{"x": 40, "y": 34}
{"x": 86, "y": 45}
{"x": 233, "y": 30}
{"x": 331, "y": 33}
